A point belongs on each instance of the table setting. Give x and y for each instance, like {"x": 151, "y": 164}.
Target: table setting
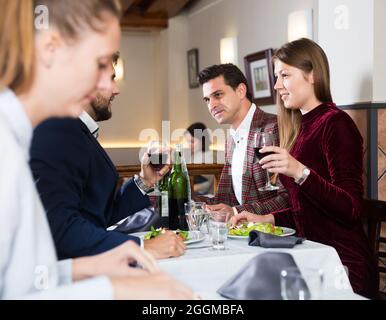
{"x": 279, "y": 266}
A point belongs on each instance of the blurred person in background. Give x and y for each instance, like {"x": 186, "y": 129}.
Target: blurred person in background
{"x": 198, "y": 140}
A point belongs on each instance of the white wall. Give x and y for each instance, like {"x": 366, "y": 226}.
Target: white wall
{"x": 347, "y": 36}
{"x": 178, "y": 42}
{"x": 138, "y": 105}
{"x": 379, "y": 77}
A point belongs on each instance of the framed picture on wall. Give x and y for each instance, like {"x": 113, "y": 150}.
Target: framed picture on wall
{"x": 259, "y": 72}
{"x": 193, "y": 68}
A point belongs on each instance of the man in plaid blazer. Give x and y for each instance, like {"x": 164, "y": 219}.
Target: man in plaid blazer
{"x": 229, "y": 101}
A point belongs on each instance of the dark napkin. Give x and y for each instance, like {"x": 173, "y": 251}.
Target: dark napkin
{"x": 259, "y": 279}
{"x": 266, "y": 240}
{"x": 139, "y": 221}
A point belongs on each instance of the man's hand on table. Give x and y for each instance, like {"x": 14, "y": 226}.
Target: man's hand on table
{"x": 166, "y": 245}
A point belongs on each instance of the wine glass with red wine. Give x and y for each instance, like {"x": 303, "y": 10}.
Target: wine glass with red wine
{"x": 264, "y": 139}
{"x": 158, "y": 155}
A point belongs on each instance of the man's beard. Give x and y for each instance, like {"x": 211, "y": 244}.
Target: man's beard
{"x": 101, "y": 108}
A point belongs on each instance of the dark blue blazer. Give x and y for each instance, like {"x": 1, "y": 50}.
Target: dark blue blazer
{"x": 77, "y": 183}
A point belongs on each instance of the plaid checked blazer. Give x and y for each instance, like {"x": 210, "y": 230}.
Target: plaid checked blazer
{"x": 254, "y": 176}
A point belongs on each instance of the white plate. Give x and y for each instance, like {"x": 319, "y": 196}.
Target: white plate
{"x": 194, "y": 236}
{"x": 287, "y": 232}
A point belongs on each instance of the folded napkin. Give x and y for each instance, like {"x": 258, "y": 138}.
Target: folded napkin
{"x": 259, "y": 279}
{"x": 139, "y": 221}
{"x": 266, "y": 240}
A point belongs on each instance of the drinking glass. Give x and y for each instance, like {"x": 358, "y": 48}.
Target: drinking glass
{"x": 306, "y": 284}
{"x": 264, "y": 139}
{"x": 158, "y": 153}
{"x": 218, "y": 230}
{"x": 196, "y": 216}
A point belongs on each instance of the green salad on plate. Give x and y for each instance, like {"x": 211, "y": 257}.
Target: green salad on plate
{"x": 244, "y": 229}
{"x": 184, "y": 235}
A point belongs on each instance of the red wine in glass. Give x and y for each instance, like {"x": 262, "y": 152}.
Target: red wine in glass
{"x": 264, "y": 139}
{"x": 158, "y": 160}
{"x": 262, "y": 155}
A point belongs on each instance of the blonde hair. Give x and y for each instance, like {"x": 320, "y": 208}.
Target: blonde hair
{"x": 307, "y": 56}
{"x": 17, "y": 33}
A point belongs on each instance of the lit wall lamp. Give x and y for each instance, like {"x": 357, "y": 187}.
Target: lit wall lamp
{"x": 228, "y": 50}
{"x": 300, "y": 25}
{"x": 119, "y": 70}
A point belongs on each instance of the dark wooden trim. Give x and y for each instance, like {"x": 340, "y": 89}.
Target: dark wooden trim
{"x": 150, "y": 14}
{"x": 194, "y": 170}
{"x": 363, "y": 106}
{"x": 149, "y": 20}
{"x": 372, "y": 153}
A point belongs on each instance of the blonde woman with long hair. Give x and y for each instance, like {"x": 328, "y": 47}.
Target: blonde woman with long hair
{"x": 320, "y": 162}
{"x": 51, "y": 69}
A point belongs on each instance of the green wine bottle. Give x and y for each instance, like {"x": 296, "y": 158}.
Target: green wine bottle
{"x": 178, "y": 195}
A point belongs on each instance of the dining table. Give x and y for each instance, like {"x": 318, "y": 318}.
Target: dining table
{"x": 205, "y": 270}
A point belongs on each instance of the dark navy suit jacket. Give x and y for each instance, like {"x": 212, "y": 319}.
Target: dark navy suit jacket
{"x": 77, "y": 183}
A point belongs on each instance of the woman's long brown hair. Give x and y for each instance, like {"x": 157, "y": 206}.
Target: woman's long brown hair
{"x": 307, "y": 56}
{"x": 17, "y": 32}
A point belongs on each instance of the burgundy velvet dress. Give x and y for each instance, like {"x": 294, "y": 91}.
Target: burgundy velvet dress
{"x": 327, "y": 207}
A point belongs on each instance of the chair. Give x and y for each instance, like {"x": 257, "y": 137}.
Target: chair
{"x": 375, "y": 214}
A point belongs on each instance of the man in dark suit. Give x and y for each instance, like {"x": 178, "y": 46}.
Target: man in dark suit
{"x": 77, "y": 183}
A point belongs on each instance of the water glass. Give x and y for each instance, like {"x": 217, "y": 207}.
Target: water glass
{"x": 306, "y": 284}
{"x": 218, "y": 228}
{"x": 196, "y": 216}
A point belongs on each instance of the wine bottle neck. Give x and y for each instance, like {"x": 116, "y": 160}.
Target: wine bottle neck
{"x": 177, "y": 167}
{"x": 177, "y": 161}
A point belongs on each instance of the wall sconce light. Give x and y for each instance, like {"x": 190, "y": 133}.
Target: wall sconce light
{"x": 300, "y": 25}
{"x": 119, "y": 70}
{"x": 228, "y": 50}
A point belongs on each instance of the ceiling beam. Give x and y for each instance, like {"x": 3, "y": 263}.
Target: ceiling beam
{"x": 126, "y": 4}
{"x": 150, "y": 14}
{"x": 172, "y": 7}
{"x": 147, "y": 21}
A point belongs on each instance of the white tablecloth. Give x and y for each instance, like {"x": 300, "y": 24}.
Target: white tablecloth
{"x": 205, "y": 271}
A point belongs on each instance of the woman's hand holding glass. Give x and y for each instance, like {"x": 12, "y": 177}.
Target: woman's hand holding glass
{"x": 281, "y": 162}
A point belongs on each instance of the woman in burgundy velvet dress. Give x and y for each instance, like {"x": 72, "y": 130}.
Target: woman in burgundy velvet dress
{"x": 320, "y": 162}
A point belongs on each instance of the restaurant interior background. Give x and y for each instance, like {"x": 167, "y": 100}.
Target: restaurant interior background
{"x": 157, "y": 35}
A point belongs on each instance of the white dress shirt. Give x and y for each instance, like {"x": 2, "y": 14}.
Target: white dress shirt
{"x": 240, "y": 138}
{"x": 90, "y": 123}
{"x": 28, "y": 264}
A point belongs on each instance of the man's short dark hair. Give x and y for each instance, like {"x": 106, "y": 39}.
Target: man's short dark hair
{"x": 115, "y": 58}
{"x": 231, "y": 73}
